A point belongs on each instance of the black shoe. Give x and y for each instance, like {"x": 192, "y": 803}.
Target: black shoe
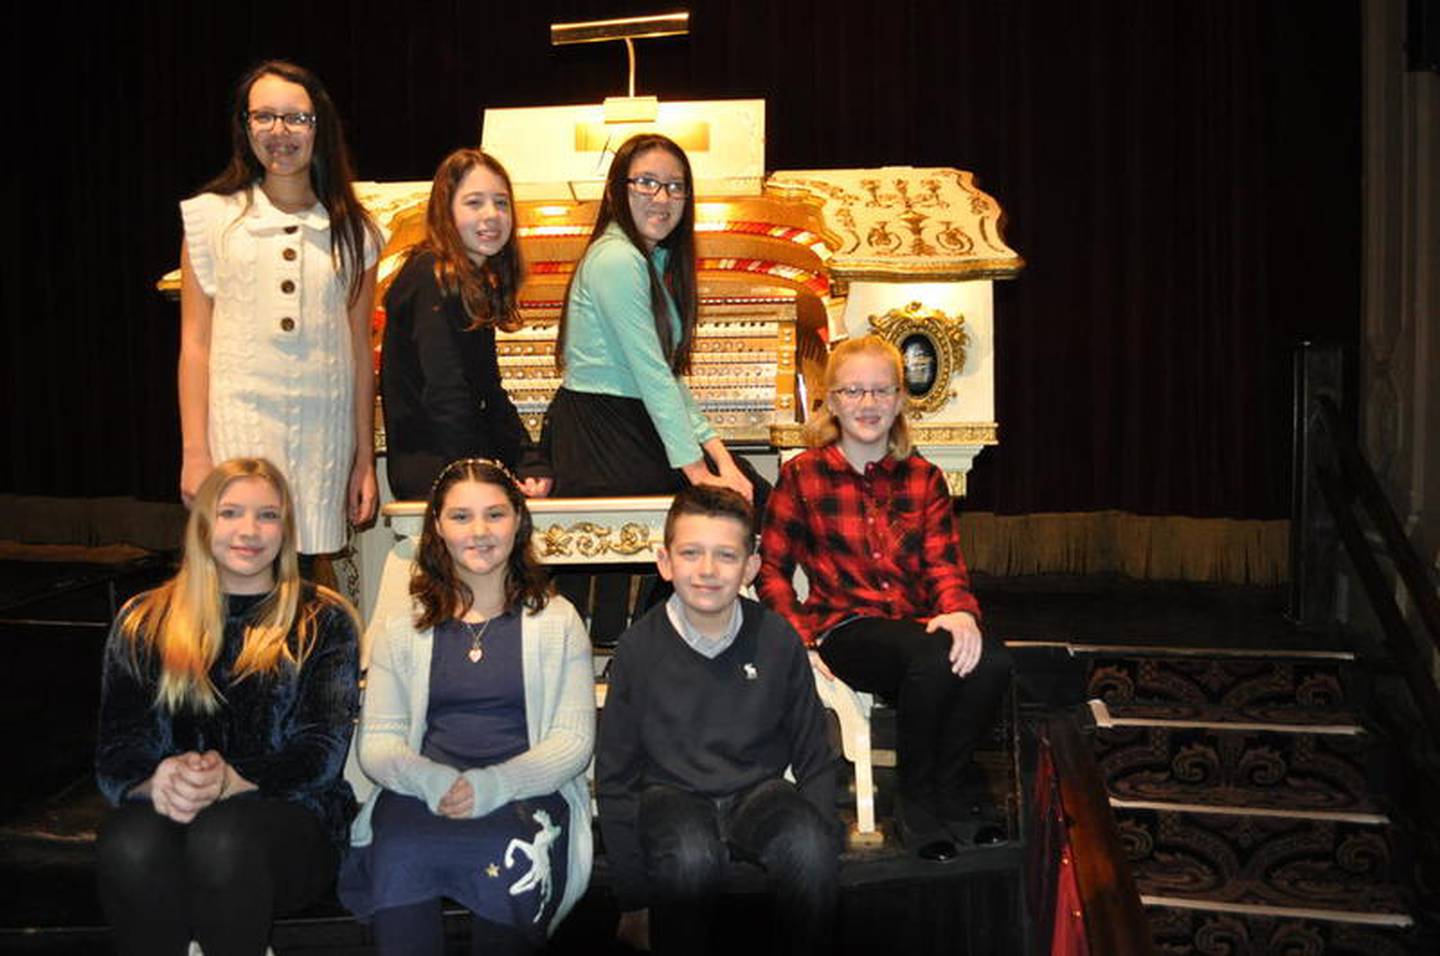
{"x": 938, "y": 851}
{"x": 991, "y": 835}
{"x": 971, "y": 818}
{"x": 978, "y": 831}
{"x": 922, "y": 831}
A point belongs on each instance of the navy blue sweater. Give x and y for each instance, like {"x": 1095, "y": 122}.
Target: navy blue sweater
{"x": 713, "y": 727}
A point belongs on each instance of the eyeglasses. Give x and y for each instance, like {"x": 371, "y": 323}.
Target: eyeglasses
{"x": 262, "y": 120}
{"x": 854, "y": 394}
{"x": 649, "y": 186}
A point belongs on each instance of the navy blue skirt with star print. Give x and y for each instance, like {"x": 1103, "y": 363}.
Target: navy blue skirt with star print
{"x": 507, "y": 867}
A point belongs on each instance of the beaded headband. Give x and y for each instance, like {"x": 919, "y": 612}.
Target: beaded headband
{"x": 463, "y": 462}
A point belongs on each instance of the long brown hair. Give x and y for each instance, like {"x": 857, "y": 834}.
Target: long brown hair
{"x": 486, "y": 292}
{"x": 822, "y": 429}
{"x": 679, "y": 277}
{"x": 331, "y": 172}
{"x": 183, "y": 620}
{"x": 438, "y": 591}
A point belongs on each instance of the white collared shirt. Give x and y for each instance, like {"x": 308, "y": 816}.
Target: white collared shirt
{"x": 711, "y": 647}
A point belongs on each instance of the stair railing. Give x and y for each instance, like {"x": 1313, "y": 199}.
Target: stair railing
{"x": 1349, "y": 487}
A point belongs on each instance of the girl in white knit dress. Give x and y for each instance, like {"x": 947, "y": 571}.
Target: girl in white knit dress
{"x": 277, "y": 288}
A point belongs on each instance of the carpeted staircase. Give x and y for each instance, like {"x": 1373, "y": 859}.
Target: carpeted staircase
{"x": 1244, "y": 787}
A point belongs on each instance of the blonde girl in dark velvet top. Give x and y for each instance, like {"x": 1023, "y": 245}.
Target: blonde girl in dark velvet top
{"x": 228, "y": 699}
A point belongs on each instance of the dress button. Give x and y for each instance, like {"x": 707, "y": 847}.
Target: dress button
{"x": 884, "y": 585}
{"x": 287, "y": 287}
{"x": 875, "y": 555}
{"x": 287, "y": 324}
{"x": 291, "y": 230}
{"x": 288, "y": 255}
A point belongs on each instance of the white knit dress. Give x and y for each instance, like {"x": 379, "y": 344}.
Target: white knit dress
{"x": 281, "y": 363}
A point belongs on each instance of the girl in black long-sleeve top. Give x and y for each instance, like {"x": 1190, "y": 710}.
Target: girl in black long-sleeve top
{"x": 439, "y": 374}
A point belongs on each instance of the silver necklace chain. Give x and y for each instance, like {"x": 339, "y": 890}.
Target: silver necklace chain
{"x": 477, "y": 648}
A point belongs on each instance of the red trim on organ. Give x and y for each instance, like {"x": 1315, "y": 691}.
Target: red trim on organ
{"x": 818, "y": 284}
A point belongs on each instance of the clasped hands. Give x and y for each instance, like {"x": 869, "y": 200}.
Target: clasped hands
{"x": 458, "y": 803}
{"x": 187, "y": 783}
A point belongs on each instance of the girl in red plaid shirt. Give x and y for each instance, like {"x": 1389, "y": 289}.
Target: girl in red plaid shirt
{"x": 889, "y": 605}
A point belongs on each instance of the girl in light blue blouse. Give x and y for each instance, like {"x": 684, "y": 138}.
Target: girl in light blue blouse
{"x": 624, "y": 422}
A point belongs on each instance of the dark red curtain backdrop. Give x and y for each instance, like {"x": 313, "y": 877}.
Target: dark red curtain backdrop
{"x": 1182, "y": 177}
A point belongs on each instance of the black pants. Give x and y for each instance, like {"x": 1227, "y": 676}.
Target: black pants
{"x": 688, "y": 840}
{"x": 938, "y": 717}
{"x": 220, "y": 879}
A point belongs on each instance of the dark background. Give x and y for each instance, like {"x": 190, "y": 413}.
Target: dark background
{"x": 1182, "y": 177}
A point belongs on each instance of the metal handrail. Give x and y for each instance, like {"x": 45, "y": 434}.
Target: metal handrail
{"x": 1359, "y": 477}
{"x": 1413, "y": 667}
{"x": 1341, "y": 483}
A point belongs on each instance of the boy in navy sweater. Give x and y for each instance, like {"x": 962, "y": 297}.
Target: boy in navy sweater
{"x": 711, "y": 698}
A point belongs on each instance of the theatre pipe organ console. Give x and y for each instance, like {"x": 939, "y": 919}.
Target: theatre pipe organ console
{"x": 819, "y": 256}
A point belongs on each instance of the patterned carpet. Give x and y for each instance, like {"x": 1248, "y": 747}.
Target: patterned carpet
{"x": 1243, "y": 787}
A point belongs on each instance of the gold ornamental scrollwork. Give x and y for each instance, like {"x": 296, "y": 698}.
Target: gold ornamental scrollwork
{"x": 591, "y": 540}
{"x": 903, "y": 223}
{"x": 958, "y": 433}
{"x": 932, "y": 346}
{"x": 787, "y": 435}
{"x": 634, "y": 538}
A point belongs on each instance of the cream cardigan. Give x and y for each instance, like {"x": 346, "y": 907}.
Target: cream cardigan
{"x": 559, "y": 710}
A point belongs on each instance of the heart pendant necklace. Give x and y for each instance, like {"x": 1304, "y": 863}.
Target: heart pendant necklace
{"x": 477, "y": 649}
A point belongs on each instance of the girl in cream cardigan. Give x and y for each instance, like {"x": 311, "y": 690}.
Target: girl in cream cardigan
{"x": 477, "y": 726}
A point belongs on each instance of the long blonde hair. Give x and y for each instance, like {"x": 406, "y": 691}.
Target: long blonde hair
{"x": 822, "y": 428}
{"x": 183, "y": 620}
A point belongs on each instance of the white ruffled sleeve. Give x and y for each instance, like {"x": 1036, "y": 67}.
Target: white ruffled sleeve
{"x": 199, "y": 215}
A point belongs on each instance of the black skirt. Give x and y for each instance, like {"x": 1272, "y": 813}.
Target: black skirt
{"x": 603, "y": 446}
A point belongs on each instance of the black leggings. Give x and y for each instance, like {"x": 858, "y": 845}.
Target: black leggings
{"x": 938, "y": 717}
{"x": 220, "y": 879}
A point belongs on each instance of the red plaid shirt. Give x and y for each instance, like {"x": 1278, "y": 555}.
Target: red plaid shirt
{"x": 879, "y": 544}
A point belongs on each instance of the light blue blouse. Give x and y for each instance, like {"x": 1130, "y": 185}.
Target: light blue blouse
{"x": 611, "y": 347}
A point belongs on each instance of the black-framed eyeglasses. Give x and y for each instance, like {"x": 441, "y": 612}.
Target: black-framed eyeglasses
{"x": 650, "y": 186}
{"x": 262, "y": 120}
{"x": 854, "y": 394}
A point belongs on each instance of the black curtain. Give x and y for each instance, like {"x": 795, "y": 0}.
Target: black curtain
{"x": 1182, "y": 178}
